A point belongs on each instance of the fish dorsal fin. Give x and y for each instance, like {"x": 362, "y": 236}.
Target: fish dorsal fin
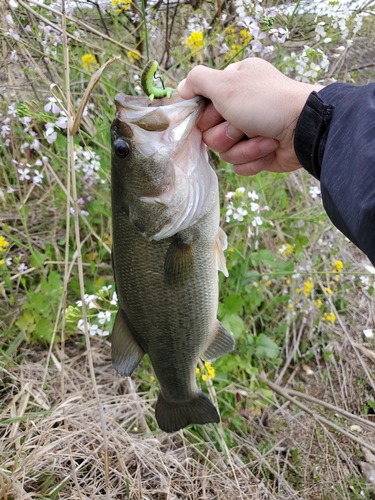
{"x": 179, "y": 262}
{"x": 221, "y": 344}
{"x": 126, "y": 353}
{"x": 221, "y": 244}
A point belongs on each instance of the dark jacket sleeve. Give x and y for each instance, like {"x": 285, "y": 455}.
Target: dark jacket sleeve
{"x": 335, "y": 142}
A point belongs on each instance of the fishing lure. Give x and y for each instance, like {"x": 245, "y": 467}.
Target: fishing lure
{"x": 147, "y": 82}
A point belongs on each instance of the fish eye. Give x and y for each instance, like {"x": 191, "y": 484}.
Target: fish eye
{"x": 121, "y": 148}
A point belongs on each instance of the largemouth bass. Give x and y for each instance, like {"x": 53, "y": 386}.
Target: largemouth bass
{"x": 167, "y": 249}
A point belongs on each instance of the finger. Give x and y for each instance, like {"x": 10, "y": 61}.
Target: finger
{"x": 250, "y": 150}
{"x": 198, "y": 82}
{"x": 210, "y": 117}
{"x": 267, "y": 162}
{"x": 222, "y": 137}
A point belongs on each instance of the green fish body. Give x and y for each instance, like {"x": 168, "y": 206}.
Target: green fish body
{"x": 167, "y": 249}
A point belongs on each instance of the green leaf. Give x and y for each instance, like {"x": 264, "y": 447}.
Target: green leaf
{"x": 265, "y": 347}
{"x": 265, "y": 257}
{"x": 25, "y": 321}
{"x": 233, "y": 303}
{"x": 37, "y": 258}
{"x": 234, "y": 324}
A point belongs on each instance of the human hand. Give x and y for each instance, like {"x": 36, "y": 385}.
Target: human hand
{"x": 252, "y": 115}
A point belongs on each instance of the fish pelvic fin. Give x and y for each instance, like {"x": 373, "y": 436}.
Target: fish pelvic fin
{"x": 222, "y": 343}
{"x": 221, "y": 244}
{"x": 126, "y": 352}
{"x": 172, "y": 416}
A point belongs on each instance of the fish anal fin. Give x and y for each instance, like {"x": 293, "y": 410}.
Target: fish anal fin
{"x": 173, "y": 416}
{"x": 221, "y": 244}
{"x": 179, "y": 261}
{"x": 221, "y": 344}
{"x": 126, "y": 352}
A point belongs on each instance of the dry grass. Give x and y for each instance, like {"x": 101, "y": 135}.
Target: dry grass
{"x": 54, "y": 441}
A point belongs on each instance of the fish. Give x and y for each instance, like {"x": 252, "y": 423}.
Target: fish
{"x": 167, "y": 249}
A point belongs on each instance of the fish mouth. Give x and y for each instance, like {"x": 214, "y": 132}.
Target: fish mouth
{"x": 171, "y": 119}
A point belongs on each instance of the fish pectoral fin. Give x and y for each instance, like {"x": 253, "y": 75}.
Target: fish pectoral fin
{"x": 179, "y": 261}
{"x": 172, "y": 416}
{"x": 221, "y": 245}
{"x": 126, "y": 353}
{"x": 222, "y": 343}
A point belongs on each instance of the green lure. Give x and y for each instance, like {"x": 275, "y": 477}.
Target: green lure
{"x": 147, "y": 82}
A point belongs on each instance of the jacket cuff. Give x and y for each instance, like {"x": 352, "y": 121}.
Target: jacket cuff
{"x": 311, "y": 126}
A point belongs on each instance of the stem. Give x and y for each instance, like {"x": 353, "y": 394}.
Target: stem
{"x": 145, "y": 29}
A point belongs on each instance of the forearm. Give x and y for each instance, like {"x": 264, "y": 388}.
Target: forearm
{"x": 335, "y": 141}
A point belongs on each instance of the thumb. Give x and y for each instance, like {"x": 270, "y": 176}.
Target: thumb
{"x": 198, "y": 82}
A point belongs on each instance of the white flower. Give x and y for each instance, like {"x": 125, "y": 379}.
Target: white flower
{"x": 5, "y": 130}
{"x": 8, "y": 261}
{"x": 52, "y": 106}
{"x": 50, "y": 134}
{"x": 104, "y": 316}
{"x": 13, "y": 56}
{"x": 106, "y": 288}
{"x": 240, "y": 214}
{"x": 38, "y": 177}
{"x": 254, "y": 207}
{"x": 61, "y": 122}
{"x": 314, "y": 191}
{"x": 257, "y": 221}
{"x": 369, "y": 333}
{"x": 22, "y": 268}
{"x": 252, "y": 195}
{"x": 230, "y": 195}
{"x": 12, "y": 34}
{"x": 24, "y": 173}
{"x": 114, "y": 300}
{"x": 81, "y": 325}
{"x": 89, "y": 301}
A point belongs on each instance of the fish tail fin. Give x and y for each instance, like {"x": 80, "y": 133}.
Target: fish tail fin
{"x": 173, "y": 416}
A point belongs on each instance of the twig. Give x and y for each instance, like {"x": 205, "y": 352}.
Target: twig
{"x": 286, "y": 394}
{"x": 88, "y": 28}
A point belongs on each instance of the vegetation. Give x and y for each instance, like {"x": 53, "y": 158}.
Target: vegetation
{"x": 296, "y": 397}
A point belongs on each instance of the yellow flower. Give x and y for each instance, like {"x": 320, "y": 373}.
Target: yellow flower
{"x": 197, "y": 371}
{"x": 89, "y": 62}
{"x": 338, "y": 265}
{"x": 307, "y": 287}
{"x": 121, "y": 4}
{"x": 291, "y": 307}
{"x": 286, "y": 249}
{"x": 318, "y": 303}
{"x": 152, "y": 378}
{"x": 330, "y": 318}
{"x": 328, "y": 290}
{"x": 134, "y": 55}
{"x": 3, "y": 244}
{"x": 210, "y": 369}
{"x": 246, "y": 37}
{"x": 195, "y": 41}
{"x": 2, "y": 261}
{"x": 234, "y": 50}
{"x": 204, "y": 377}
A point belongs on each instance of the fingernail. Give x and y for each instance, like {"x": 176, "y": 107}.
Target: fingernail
{"x": 181, "y": 85}
{"x": 233, "y": 133}
{"x": 267, "y": 145}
